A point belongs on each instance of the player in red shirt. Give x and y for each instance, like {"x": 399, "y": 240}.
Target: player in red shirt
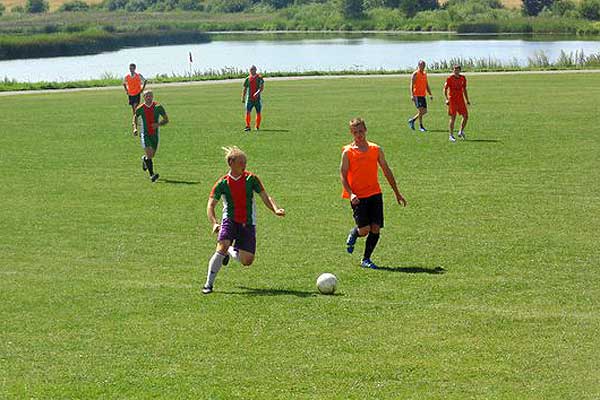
{"x": 455, "y": 91}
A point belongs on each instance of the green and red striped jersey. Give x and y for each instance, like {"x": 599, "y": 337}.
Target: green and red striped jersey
{"x": 238, "y": 196}
{"x": 252, "y": 84}
{"x": 149, "y": 114}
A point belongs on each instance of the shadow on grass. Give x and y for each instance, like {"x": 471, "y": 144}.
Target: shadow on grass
{"x": 274, "y": 130}
{"x": 177, "y": 182}
{"x": 483, "y": 141}
{"x": 414, "y": 270}
{"x": 248, "y": 291}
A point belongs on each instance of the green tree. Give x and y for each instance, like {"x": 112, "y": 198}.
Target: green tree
{"x": 352, "y": 8}
{"x": 36, "y": 6}
{"x": 590, "y": 9}
{"x": 534, "y": 7}
{"x": 75, "y": 5}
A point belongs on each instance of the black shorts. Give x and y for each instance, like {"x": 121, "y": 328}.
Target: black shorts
{"x": 369, "y": 211}
{"x": 134, "y": 99}
{"x": 420, "y": 101}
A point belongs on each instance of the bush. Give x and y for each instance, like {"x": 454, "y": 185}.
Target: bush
{"x": 36, "y": 6}
{"x": 114, "y": 5}
{"x": 75, "y": 5}
{"x": 2, "y": 8}
{"x": 136, "y": 5}
{"x": 352, "y": 8}
{"x": 191, "y": 5}
{"x": 590, "y": 9}
{"x": 534, "y": 7}
{"x": 228, "y": 6}
{"x": 17, "y": 10}
{"x": 562, "y": 7}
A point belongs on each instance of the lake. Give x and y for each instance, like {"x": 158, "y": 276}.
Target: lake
{"x": 294, "y": 53}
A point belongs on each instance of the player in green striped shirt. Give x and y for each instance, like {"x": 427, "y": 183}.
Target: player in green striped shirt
{"x": 152, "y": 116}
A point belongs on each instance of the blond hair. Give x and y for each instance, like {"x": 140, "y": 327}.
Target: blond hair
{"x": 232, "y": 153}
{"x": 357, "y": 123}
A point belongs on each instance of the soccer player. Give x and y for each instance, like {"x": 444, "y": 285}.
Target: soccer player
{"x": 238, "y": 225}
{"x": 153, "y": 116}
{"x": 134, "y": 84}
{"x": 455, "y": 91}
{"x": 419, "y": 87}
{"x": 253, "y": 87}
{"x": 358, "y": 172}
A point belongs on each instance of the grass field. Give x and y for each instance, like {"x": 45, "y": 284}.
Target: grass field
{"x": 100, "y": 270}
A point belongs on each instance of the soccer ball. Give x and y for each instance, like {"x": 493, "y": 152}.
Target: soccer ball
{"x": 327, "y": 283}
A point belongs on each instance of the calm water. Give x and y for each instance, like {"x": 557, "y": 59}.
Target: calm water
{"x": 387, "y": 52}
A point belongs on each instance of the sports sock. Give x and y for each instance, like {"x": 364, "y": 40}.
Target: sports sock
{"x": 354, "y": 232}
{"x": 372, "y": 240}
{"x": 258, "y": 118}
{"x": 248, "y": 119}
{"x": 233, "y": 253}
{"x": 214, "y": 266}
{"x": 150, "y": 165}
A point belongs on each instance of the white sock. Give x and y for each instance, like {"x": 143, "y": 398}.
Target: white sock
{"x": 233, "y": 253}
{"x": 214, "y": 266}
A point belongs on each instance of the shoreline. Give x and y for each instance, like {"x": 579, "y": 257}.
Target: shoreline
{"x": 296, "y": 78}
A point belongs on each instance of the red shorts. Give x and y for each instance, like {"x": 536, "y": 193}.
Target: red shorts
{"x": 457, "y": 108}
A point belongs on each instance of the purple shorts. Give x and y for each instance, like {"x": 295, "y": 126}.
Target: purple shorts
{"x": 242, "y": 236}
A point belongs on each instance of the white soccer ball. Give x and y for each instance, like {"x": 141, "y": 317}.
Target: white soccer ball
{"x": 327, "y": 283}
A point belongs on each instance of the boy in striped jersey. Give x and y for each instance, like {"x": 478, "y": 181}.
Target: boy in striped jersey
{"x": 153, "y": 115}
{"x": 237, "y": 227}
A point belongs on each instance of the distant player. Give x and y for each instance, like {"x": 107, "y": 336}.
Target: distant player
{"x": 238, "y": 225}
{"x": 419, "y": 87}
{"x": 153, "y": 116}
{"x": 455, "y": 91}
{"x": 254, "y": 85}
{"x": 134, "y": 84}
{"x": 358, "y": 172}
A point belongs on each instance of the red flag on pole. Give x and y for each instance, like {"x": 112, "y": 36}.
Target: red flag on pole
{"x": 191, "y": 57}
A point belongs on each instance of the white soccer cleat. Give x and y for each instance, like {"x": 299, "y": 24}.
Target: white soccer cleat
{"x": 462, "y": 135}
{"x": 452, "y": 138}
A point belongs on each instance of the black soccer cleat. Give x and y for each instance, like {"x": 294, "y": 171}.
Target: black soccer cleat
{"x": 226, "y": 260}
{"x": 154, "y": 177}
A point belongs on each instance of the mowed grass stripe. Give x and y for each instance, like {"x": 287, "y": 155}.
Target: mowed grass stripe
{"x": 101, "y": 270}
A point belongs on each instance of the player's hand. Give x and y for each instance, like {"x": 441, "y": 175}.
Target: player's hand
{"x": 155, "y": 125}
{"x": 413, "y": 98}
{"x": 401, "y": 200}
{"x": 354, "y": 200}
{"x": 280, "y": 212}
{"x": 431, "y": 98}
{"x": 468, "y": 103}
{"x": 447, "y": 101}
{"x": 135, "y": 132}
{"x": 216, "y": 228}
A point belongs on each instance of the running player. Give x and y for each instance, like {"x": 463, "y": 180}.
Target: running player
{"x": 153, "y": 115}
{"x": 455, "y": 91}
{"x": 254, "y": 85}
{"x": 358, "y": 172}
{"x": 134, "y": 84}
{"x": 238, "y": 225}
{"x": 419, "y": 87}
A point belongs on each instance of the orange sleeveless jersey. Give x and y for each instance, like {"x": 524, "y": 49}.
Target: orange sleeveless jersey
{"x": 420, "y": 85}
{"x": 362, "y": 171}
{"x": 134, "y": 84}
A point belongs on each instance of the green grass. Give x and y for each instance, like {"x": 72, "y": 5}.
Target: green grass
{"x": 101, "y": 270}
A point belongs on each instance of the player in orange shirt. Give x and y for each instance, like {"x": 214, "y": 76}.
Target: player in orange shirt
{"x": 358, "y": 172}
{"x": 134, "y": 84}
{"x": 455, "y": 91}
{"x": 419, "y": 87}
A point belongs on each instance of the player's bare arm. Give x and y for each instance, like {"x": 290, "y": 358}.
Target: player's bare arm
{"x": 344, "y": 167}
{"x": 429, "y": 91}
{"x": 244, "y": 94}
{"x": 134, "y": 122}
{"x": 210, "y": 213}
{"x": 413, "y": 78}
{"x": 446, "y": 92}
{"x": 163, "y": 121}
{"x": 271, "y": 205}
{"x": 389, "y": 175}
{"x": 466, "y": 95}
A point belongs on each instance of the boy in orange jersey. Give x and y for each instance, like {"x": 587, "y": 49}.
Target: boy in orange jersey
{"x": 358, "y": 172}
{"x": 253, "y": 87}
{"x": 419, "y": 87}
{"x": 238, "y": 224}
{"x": 134, "y": 84}
{"x": 455, "y": 91}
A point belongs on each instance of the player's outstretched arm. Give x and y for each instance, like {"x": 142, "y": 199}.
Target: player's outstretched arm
{"x": 210, "y": 213}
{"x": 271, "y": 205}
{"x": 389, "y": 175}
{"x": 344, "y": 167}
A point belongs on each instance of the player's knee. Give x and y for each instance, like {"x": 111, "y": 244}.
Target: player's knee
{"x": 423, "y": 111}
{"x": 364, "y": 231}
{"x": 246, "y": 261}
{"x": 375, "y": 228}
